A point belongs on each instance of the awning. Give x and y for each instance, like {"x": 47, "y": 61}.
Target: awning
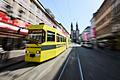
{"x": 15, "y": 29}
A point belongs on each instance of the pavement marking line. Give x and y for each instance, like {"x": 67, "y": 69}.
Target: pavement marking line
{"x": 64, "y": 67}
{"x": 80, "y": 67}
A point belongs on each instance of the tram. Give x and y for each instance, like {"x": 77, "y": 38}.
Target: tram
{"x": 44, "y": 43}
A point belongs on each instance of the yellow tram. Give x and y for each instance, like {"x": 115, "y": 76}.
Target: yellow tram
{"x": 44, "y": 43}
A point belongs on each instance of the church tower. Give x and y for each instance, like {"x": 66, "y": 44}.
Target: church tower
{"x": 71, "y": 30}
{"x": 77, "y": 26}
{"x": 74, "y": 33}
{"x": 77, "y": 33}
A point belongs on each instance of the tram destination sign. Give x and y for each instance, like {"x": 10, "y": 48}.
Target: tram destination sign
{"x": 35, "y": 31}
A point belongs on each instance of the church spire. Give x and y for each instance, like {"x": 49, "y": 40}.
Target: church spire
{"x": 77, "y": 26}
{"x": 71, "y": 26}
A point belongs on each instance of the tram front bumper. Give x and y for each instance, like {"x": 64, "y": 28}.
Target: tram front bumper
{"x": 32, "y": 57}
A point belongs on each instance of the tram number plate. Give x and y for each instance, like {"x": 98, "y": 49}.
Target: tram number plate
{"x": 32, "y": 55}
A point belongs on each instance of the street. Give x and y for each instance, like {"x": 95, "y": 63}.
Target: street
{"x": 76, "y": 63}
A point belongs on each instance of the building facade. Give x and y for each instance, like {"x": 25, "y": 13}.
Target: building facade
{"x": 86, "y": 34}
{"x": 31, "y": 11}
{"x": 106, "y": 23}
{"x": 75, "y": 34}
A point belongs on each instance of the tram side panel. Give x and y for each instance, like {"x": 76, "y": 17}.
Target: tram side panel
{"x": 48, "y": 51}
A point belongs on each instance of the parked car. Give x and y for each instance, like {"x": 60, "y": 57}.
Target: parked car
{"x": 101, "y": 45}
{"x": 87, "y": 45}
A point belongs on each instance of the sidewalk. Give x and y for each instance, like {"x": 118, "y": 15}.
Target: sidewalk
{"x": 15, "y": 56}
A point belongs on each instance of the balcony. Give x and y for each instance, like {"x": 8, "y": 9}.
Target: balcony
{"x": 116, "y": 28}
{"x": 104, "y": 32}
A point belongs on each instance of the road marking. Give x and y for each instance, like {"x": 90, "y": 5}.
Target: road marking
{"x": 64, "y": 68}
{"x": 80, "y": 68}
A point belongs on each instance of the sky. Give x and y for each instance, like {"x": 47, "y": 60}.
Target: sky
{"x": 67, "y": 11}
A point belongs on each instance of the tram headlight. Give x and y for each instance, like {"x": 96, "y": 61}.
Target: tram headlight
{"x": 26, "y": 51}
{"x": 38, "y": 52}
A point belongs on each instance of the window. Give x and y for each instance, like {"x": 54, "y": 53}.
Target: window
{"x": 50, "y": 36}
{"x": 64, "y": 39}
{"x": 33, "y": 6}
{"x": 36, "y": 35}
{"x": 58, "y": 38}
{"x": 61, "y": 38}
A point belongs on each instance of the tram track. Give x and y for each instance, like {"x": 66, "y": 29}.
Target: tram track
{"x": 64, "y": 67}
{"x": 79, "y": 63}
{"x": 75, "y": 56}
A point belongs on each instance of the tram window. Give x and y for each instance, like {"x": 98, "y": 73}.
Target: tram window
{"x": 64, "y": 39}
{"x": 50, "y": 36}
{"x": 33, "y": 37}
{"x": 58, "y": 38}
{"x": 38, "y": 35}
{"x": 61, "y": 38}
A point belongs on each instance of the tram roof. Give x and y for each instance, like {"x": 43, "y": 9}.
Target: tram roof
{"x": 45, "y": 27}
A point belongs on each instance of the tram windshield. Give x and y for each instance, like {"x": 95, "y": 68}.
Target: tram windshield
{"x": 36, "y": 36}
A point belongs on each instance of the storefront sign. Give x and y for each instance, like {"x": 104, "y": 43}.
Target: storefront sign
{"x": 12, "y": 28}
